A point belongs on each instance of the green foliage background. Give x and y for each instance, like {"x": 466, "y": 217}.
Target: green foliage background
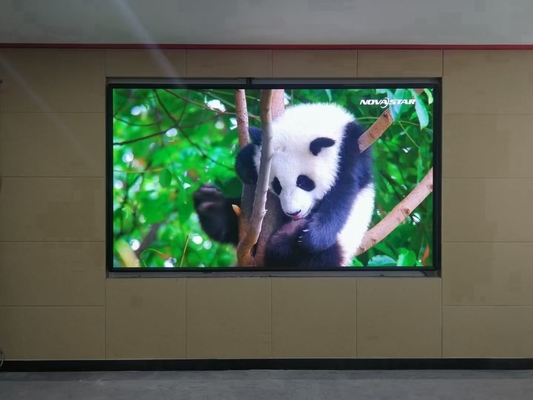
{"x": 168, "y": 142}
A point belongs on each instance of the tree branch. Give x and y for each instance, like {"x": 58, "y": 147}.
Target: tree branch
{"x": 408, "y": 204}
{"x": 251, "y": 237}
{"x": 177, "y": 123}
{"x": 278, "y": 102}
{"x": 212, "y": 94}
{"x": 242, "y": 116}
{"x": 398, "y": 214}
{"x": 135, "y": 124}
{"x": 274, "y": 218}
{"x": 149, "y": 238}
{"x": 247, "y": 196}
{"x": 198, "y": 104}
{"x": 180, "y": 127}
{"x": 378, "y": 128}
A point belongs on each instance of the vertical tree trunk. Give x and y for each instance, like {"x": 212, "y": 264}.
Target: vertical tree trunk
{"x": 272, "y": 219}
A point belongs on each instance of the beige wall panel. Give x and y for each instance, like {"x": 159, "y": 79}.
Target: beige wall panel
{"x": 229, "y": 318}
{"x": 487, "y": 210}
{"x": 487, "y": 274}
{"x": 399, "y": 318}
{"x": 52, "y": 209}
{"x": 313, "y": 317}
{"x": 145, "y": 318}
{"x": 488, "y": 332}
{"x": 229, "y": 63}
{"x": 487, "y": 146}
{"x": 314, "y": 63}
{"x": 399, "y": 63}
{"x": 61, "y": 144}
{"x": 52, "y": 274}
{"x": 487, "y": 82}
{"x": 53, "y": 333}
{"x": 52, "y": 80}
{"x": 145, "y": 63}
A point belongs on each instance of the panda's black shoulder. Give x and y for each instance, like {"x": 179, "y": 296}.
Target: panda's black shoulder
{"x": 352, "y": 160}
{"x": 244, "y": 162}
{"x": 353, "y": 130}
{"x": 256, "y": 135}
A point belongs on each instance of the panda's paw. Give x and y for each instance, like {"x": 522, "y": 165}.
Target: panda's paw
{"x": 314, "y": 239}
{"x": 215, "y": 214}
{"x": 208, "y": 199}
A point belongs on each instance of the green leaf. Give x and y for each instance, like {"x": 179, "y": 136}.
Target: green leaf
{"x": 420, "y": 172}
{"x": 407, "y": 258}
{"x": 156, "y": 210}
{"x": 229, "y": 139}
{"x": 231, "y": 187}
{"x": 328, "y": 92}
{"x": 185, "y": 211}
{"x": 429, "y": 92}
{"x": 382, "y": 247}
{"x": 422, "y": 113}
{"x": 165, "y": 178}
{"x": 357, "y": 263}
{"x": 398, "y": 110}
{"x": 381, "y": 261}
{"x": 394, "y": 172}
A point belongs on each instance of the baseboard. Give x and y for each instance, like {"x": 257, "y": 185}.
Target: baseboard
{"x": 268, "y": 364}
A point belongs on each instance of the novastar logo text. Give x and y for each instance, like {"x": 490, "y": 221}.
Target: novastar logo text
{"x": 386, "y": 102}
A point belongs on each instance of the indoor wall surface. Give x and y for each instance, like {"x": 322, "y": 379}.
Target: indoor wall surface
{"x": 55, "y": 300}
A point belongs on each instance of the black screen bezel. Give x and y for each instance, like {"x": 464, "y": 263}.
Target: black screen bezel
{"x": 287, "y": 84}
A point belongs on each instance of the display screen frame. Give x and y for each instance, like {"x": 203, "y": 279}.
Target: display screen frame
{"x": 274, "y": 83}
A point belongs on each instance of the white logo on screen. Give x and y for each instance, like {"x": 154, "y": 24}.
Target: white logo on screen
{"x": 383, "y": 103}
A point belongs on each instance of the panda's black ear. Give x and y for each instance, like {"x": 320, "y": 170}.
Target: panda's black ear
{"x": 318, "y": 144}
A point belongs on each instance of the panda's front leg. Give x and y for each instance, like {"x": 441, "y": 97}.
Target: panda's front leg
{"x": 318, "y": 234}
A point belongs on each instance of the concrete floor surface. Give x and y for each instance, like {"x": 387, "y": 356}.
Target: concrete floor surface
{"x": 270, "y": 385}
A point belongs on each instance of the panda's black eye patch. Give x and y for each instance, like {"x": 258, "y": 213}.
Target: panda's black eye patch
{"x": 318, "y": 144}
{"x": 276, "y": 186}
{"x": 305, "y": 183}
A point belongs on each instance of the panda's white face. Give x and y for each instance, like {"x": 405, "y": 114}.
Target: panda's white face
{"x": 295, "y": 185}
{"x": 306, "y": 141}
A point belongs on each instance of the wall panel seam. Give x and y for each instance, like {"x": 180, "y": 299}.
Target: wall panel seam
{"x": 487, "y": 178}
{"x": 53, "y": 306}
{"x": 186, "y": 55}
{"x": 271, "y": 63}
{"x": 355, "y": 316}
{"x": 441, "y": 317}
{"x": 442, "y": 63}
{"x": 52, "y": 241}
{"x": 271, "y": 318}
{"x": 487, "y": 305}
{"x": 485, "y": 114}
{"x": 53, "y": 112}
{"x": 53, "y": 177}
{"x": 186, "y": 318}
{"x": 356, "y": 63}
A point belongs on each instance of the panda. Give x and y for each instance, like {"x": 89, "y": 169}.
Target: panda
{"x": 323, "y": 182}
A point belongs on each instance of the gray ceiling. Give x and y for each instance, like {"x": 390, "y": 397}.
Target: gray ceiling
{"x": 267, "y": 21}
